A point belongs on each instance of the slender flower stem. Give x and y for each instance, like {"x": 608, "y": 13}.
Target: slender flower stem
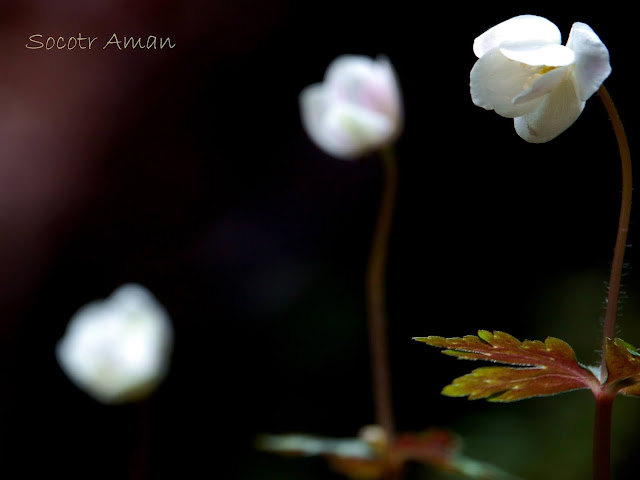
{"x": 604, "y": 403}
{"x": 375, "y": 292}
{"x": 140, "y": 461}
{"x": 611, "y": 313}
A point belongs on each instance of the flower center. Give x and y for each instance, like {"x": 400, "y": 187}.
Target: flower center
{"x": 545, "y": 69}
{"x": 535, "y": 76}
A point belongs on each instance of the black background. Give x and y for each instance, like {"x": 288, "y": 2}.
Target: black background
{"x": 187, "y": 170}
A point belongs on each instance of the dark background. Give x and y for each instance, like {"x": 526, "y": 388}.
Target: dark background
{"x": 187, "y": 170}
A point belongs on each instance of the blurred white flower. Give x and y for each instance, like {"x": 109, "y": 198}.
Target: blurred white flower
{"x": 118, "y": 349}
{"x": 524, "y": 73}
{"x": 356, "y": 110}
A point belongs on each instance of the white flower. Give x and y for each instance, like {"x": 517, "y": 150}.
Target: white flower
{"x": 117, "y": 349}
{"x": 524, "y": 73}
{"x": 356, "y": 110}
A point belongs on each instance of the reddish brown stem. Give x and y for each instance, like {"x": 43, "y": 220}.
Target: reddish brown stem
{"x": 375, "y": 291}
{"x": 611, "y": 313}
{"x": 604, "y": 403}
{"x": 602, "y": 438}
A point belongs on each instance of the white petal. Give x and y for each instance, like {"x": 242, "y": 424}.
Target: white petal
{"x": 359, "y": 130}
{"x": 523, "y": 27}
{"x": 557, "y": 112}
{"x": 538, "y": 53}
{"x": 314, "y": 106}
{"x": 544, "y": 84}
{"x": 391, "y": 99}
{"x": 592, "y": 59}
{"x": 496, "y": 81}
{"x": 355, "y": 79}
{"x": 348, "y": 68}
{"x": 368, "y": 83}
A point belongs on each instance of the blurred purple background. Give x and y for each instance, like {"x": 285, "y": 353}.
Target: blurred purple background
{"x": 187, "y": 170}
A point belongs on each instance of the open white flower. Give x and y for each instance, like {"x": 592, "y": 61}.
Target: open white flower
{"x": 523, "y": 72}
{"x": 356, "y": 110}
{"x": 118, "y": 349}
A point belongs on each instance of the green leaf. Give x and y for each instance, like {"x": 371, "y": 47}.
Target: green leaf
{"x": 311, "y": 445}
{"x": 542, "y": 368}
{"x": 371, "y": 456}
{"x": 623, "y": 367}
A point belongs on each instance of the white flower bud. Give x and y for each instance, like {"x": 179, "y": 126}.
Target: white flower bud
{"x": 356, "y": 110}
{"x": 118, "y": 349}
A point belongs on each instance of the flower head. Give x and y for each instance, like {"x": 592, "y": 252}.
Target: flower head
{"x": 117, "y": 349}
{"x": 523, "y": 72}
{"x": 356, "y": 110}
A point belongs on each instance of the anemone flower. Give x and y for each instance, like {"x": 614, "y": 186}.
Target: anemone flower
{"x": 524, "y": 73}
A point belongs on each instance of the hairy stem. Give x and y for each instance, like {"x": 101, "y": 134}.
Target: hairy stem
{"x": 604, "y": 403}
{"x": 375, "y": 292}
{"x": 611, "y": 313}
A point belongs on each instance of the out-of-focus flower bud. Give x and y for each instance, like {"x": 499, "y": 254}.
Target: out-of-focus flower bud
{"x": 118, "y": 349}
{"x": 356, "y": 110}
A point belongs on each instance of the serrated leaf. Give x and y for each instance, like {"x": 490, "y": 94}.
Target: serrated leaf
{"x": 623, "y": 367}
{"x": 310, "y": 445}
{"x": 360, "y": 459}
{"x": 435, "y": 447}
{"x": 441, "y": 449}
{"x": 542, "y": 368}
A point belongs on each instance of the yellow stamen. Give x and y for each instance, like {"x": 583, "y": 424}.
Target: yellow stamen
{"x": 546, "y": 69}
